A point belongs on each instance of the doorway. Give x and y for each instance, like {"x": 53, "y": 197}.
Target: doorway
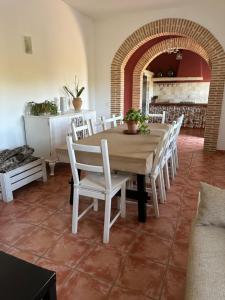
{"x": 190, "y": 36}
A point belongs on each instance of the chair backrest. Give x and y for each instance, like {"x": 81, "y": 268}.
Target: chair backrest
{"x": 173, "y": 135}
{"x": 111, "y": 121}
{"x": 161, "y": 116}
{"x": 104, "y": 168}
{"x": 77, "y": 119}
{"x": 119, "y": 119}
{"x": 81, "y": 131}
{"x": 161, "y": 149}
{"x": 96, "y": 125}
{"x": 179, "y": 124}
{"x": 180, "y": 120}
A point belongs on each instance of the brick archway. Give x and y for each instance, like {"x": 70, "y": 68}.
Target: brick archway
{"x": 152, "y": 53}
{"x": 187, "y": 29}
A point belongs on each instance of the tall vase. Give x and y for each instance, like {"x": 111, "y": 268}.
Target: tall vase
{"x": 77, "y": 103}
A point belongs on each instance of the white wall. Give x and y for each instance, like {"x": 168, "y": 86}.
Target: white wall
{"x": 111, "y": 32}
{"x": 63, "y": 45}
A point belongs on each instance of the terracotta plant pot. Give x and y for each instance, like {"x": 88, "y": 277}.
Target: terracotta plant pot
{"x": 132, "y": 127}
{"x": 77, "y": 103}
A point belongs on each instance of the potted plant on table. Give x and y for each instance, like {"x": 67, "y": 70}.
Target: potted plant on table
{"x": 77, "y": 101}
{"x": 136, "y": 122}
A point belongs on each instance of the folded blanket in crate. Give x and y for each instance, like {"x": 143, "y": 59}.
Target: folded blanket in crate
{"x": 13, "y": 158}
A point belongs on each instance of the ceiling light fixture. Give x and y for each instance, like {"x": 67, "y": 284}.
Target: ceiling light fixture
{"x": 172, "y": 50}
{"x": 176, "y": 51}
{"x": 179, "y": 56}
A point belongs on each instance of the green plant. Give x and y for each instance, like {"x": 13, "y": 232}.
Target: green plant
{"x": 76, "y": 92}
{"x": 139, "y": 118}
{"x": 46, "y": 107}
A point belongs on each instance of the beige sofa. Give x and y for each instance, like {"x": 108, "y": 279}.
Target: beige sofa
{"x": 206, "y": 263}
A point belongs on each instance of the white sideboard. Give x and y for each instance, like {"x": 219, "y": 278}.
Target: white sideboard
{"x": 44, "y": 133}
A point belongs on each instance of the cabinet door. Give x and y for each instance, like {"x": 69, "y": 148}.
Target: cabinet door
{"x": 38, "y": 136}
{"x": 59, "y": 128}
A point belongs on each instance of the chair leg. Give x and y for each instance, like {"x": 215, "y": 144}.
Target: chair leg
{"x": 172, "y": 167}
{"x": 166, "y": 174}
{"x": 154, "y": 198}
{"x": 160, "y": 185}
{"x": 174, "y": 163}
{"x": 123, "y": 201}
{"x": 107, "y": 219}
{"x": 95, "y": 201}
{"x": 176, "y": 157}
{"x": 75, "y": 210}
{"x": 163, "y": 185}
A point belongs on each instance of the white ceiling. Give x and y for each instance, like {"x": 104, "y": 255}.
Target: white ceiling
{"x": 102, "y": 8}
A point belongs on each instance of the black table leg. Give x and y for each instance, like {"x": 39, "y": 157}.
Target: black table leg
{"x": 142, "y": 198}
{"x": 71, "y": 190}
{"x": 71, "y": 187}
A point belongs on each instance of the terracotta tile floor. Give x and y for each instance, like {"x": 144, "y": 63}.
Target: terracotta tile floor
{"x": 142, "y": 261}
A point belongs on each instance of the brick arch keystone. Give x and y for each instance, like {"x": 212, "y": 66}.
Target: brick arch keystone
{"x": 184, "y": 28}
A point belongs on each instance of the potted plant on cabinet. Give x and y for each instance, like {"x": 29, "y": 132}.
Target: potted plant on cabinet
{"x": 43, "y": 108}
{"x": 77, "y": 101}
{"x": 136, "y": 122}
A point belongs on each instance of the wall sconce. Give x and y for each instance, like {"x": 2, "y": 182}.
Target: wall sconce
{"x": 28, "y": 44}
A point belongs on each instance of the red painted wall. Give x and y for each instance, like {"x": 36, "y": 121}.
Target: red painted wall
{"x": 129, "y": 68}
{"x": 191, "y": 65}
{"x": 163, "y": 63}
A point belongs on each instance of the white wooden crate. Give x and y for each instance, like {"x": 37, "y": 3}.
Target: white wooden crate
{"x": 14, "y": 179}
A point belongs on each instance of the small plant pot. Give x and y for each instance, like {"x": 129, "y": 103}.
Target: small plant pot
{"x": 77, "y": 103}
{"x": 132, "y": 127}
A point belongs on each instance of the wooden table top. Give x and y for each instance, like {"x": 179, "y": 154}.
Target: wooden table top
{"x": 128, "y": 153}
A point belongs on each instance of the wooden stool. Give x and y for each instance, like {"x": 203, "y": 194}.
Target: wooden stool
{"x": 20, "y": 280}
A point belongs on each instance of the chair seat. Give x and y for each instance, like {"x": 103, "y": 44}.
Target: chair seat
{"x": 96, "y": 182}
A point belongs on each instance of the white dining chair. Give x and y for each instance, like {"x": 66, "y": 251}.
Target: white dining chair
{"x": 156, "y": 175}
{"x": 175, "y": 152}
{"x": 168, "y": 157}
{"x": 119, "y": 119}
{"x": 98, "y": 183}
{"x": 161, "y": 116}
{"x": 81, "y": 131}
{"x": 111, "y": 122}
{"x": 96, "y": 125}
{"x": 171, "y": 155}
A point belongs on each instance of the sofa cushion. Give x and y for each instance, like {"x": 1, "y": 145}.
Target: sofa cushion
{"x": 206, "y": 264}
{"x": 211, "y": 209}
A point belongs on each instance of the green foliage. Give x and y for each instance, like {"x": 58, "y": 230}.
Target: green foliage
{"x": 139, "y": 118}
{"x": 46, "y": 107}
{"x": 133, "y": 115}
{"x": 76, "y": 92}
{"x": 144, "y": 128}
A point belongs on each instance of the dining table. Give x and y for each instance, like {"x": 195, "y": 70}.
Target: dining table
{"x": 129, "y": 153}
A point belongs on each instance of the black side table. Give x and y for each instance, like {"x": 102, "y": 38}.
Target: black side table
{"x": 20, "y": 280}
